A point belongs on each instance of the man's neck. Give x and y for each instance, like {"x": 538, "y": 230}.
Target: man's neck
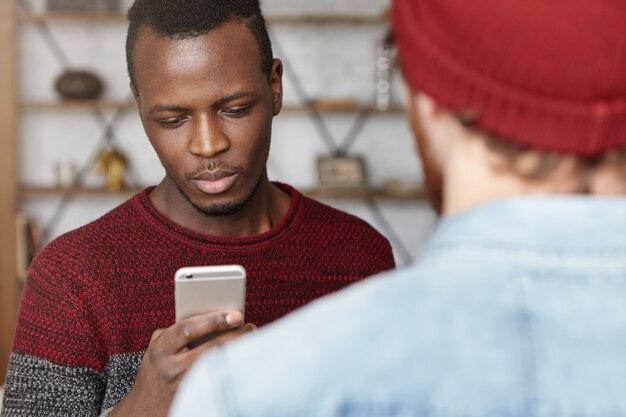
{"x": 472, "y": 179}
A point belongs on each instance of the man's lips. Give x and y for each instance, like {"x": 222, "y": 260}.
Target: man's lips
{"x": 215, "y": 182}
{"x": 218, "y": 174}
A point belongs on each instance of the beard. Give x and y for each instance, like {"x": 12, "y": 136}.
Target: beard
{"x": 224, "y": 209}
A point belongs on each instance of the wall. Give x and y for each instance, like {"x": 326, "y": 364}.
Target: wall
{"x": 332, "y": 60}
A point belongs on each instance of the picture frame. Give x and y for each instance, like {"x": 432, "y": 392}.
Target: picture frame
{"x": 341, "y": 173}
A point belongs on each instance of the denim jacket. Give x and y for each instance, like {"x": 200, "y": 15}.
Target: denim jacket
{"x": 517, "y": 308}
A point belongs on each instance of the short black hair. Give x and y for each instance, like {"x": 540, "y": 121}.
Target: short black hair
{"x": 184, "y": 19}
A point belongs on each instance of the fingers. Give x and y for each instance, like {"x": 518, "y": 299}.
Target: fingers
{"x": 191, "y": 356}
{"x": 166, "y": 342}
{"x": 246, "y": 328}
{"x": 167, "y": 357}
{"x": 156, "y": 334}
{"x": 171, "y": 367}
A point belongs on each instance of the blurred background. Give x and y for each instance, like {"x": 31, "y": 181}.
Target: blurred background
{"x": 74, "y": 148}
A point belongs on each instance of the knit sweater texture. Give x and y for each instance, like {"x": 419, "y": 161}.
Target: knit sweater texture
{"x": 95, "y": 295}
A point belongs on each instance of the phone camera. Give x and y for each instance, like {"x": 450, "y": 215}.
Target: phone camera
{"x": 189, "y": 276}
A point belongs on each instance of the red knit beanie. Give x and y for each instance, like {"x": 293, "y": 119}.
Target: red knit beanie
{"x": 548, "y": 74}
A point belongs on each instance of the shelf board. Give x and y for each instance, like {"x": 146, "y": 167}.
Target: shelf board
{"x": 324, "y": 194}
{"x": 315, "y": 19}
{"x": 337, "y": 106}
{"x": 72, "y": 16}
{"x": 345, "y": 106}
{"x": 365, "y": 194}
{"x": 77, "y": 105}
{"x": 41, "y": 191}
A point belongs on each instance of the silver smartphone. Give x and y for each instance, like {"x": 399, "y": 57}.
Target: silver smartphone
{"x": 202, "y": 289}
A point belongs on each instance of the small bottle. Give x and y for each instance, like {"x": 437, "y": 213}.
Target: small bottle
{"x": 384, "y": 70}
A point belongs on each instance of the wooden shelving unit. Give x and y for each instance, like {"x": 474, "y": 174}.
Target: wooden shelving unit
{"x": 8, "y": 182}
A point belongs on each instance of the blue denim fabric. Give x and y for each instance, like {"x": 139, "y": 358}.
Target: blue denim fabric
{"x": 517, "y": 308}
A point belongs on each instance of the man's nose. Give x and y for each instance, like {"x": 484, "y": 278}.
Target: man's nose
{"x": 208, "y": 140}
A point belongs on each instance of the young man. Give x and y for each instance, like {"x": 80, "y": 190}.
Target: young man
{"x": 518, "y": 306}
{"x": 207, "y": 88}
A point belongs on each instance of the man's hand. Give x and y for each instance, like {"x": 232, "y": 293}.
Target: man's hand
{"x": 168, "y": 357}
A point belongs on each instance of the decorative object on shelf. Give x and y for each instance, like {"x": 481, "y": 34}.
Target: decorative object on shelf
{"x": 84, "y": 5}
{"x": 65, "y": 174}
{"x": 341, "y": 172}
{"x": 112, "y": 163}
{"x": 384, "y": 67}
{"x": 79, "y": 85}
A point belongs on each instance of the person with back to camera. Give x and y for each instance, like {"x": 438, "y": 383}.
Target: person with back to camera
{"x": 96, "y": 333}
{"x": 518, "y": 305}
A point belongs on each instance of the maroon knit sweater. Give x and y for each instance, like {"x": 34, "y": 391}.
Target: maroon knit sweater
{"x": 95, "y": 295}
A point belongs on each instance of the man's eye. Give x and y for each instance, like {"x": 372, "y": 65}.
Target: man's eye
{"x": 173, "y": 122}
{"x": 236, "y": 111}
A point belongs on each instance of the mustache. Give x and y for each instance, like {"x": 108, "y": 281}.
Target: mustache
{"x": 214, "y": 165}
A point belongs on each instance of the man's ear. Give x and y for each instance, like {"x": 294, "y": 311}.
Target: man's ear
{"x": 276, "y": 83}
{"x": 426, "y": 106}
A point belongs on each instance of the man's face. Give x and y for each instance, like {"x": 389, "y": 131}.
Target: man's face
{"x": 207, "y": 106}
